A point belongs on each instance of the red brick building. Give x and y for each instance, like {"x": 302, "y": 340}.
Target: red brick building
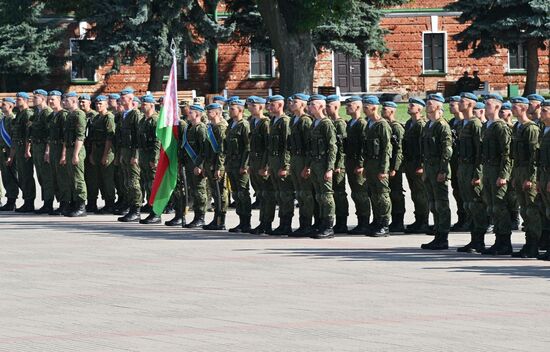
{"x": 422, "y": 53}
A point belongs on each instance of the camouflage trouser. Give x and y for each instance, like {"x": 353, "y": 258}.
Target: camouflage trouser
{"x": 323, "y": 190}
{"x": 460, "y": 211}
{"x": 418, "y": 192}
{"x": 473, "y": 202}
{"x": 302, "y": 187}
{"x": 131, "y": 176}
{"x": 197, "y": 189}
{"x": 60, "y": 174}
{"x": 495, "y": 199}
{"x": 8, "y": 179}
{"x": 528, "y": 207}
{"x": 218, "y": 189}
{"x": 397, "y": 195}
{"x": 25, "y": 173}
{"x": 359, "y": 192}
{"x": 43, "y": 171}
{"x": 438, "y": 199}
{"x": 282, "y": 186}
{"x": 241, "y": 185}
{"x": 77, "y": 183}
{"x": 147, "y": 173}
{"x": 379, "y": 192}
{"x": 264, "y": 192}
{"x": 102, "y": 178}
{"x": 340, "y": 195}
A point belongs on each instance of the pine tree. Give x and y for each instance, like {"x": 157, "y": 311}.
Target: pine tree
{"x": 26, "y": 44}
{"x": 505, "y": 23}
{"x": 298, "y": 29}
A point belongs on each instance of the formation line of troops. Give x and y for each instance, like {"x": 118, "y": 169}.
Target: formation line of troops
{"x": 494, "y": 154}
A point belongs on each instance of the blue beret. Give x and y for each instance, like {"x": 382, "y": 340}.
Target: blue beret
{"x": 436, "y": 97}
{"x": 389, "y": 104}
{"x": 520, "y": 100}
{"x": 196, "y": 107}
{"x": 136, "y": 99}
{"x": 213, "y": 106}
{"x": 40, "y": 92}
{"x": 300, "y": 96}
{"x": 332, "y": 98}
{"x": 317, "y": 97}
{"x": 9, "y": 100}
{"x": 114, "y": 96}
{"x": 237, "y": 101}
{"x": 479, "y": 105}
{"x": 148, "y": 99}
{"x": 55, "y": 93}
{"x": 469, "y": 95}
{"x": 353, "y": 98}
{"x": 371, "y": 99}
{"x": 127, "y": 91}
{"x": 536, "y": 97}
{"x": 235, "y": 97}
{"x": 494, "y": 96}
{"x": 546, "y": 102}
{"x": 100, "y": 98}
{"x": 255, "y": 100}
{"x": 23, "y": 95}
{"x": 71, "y": 95}
{"x": 417, "y": 101}
{"x": 219, "y": 98}
{"x": 276, "y": 97}
{"x": 506, "y": 106}
{"x": 85, "y": 97}
{"x": 454, "y": 98}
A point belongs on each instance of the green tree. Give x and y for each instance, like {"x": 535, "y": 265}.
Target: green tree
{"x": 27, "y": 45}
{"x": 124, "y": 30}
{"x": 298, "y": 29}
{"x": 505, "y": 23}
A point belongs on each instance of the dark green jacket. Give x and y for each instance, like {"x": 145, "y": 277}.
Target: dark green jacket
{"x": 259, "y": 140}
{"x": 378, "y": 145}
{"x": 436, "y": 145}
{"x": 212, "y": 158}
{"x": 279, "y": 132}
{"x": 38, "y": 126}
{"x": 525, "y": 146}
{"x": 354, "y": 142}
{"x": 340, "y": 128}
{"x": 469, "y": 145}
{"x": 322, "y": 144}
{"x": 20, "y": 127}
{"x": 75, "y": 128}
{"x": 495, "y": 150}
{"x": 412, "y": 143}
{"x": 397, "y": 133}
{"x": 237, "y": 144}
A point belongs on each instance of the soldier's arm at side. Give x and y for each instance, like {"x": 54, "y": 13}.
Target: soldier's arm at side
{"x": 446, "y": 149}
{"x": 532, "y": 133}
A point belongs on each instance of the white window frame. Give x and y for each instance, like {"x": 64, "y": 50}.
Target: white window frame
{"x": 445, "y": 52}
{"x": 76, "y": 80}
{"x": 516, "y": 70}
{"x": 252, "y": 76}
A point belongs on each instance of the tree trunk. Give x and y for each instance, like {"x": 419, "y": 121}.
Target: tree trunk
{"x": 532, "y": 66}
{"x": 155, "y": 76}
{"x": 294, "y": 50}
{"x": 3, "y": 84}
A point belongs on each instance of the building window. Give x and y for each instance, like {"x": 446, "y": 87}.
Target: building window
{"x": 517, "y": 57}
{"x": 261, "y": 63}
{"x": 181, "y": 67}
{"x": 435, "y": 50}
{"x": 80, "y": 69}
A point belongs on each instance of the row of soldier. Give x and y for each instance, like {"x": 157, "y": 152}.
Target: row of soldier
{"x": 307, "y": 157}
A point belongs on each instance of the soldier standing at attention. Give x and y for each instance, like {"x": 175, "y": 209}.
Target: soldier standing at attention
{"x": 497, "y": 168}
{"x": 412, "y": 165}
{"x": 74, "y": 153}
{"x": 377, "y": 153}
{"x": 437, "y": 142}
{"x": 397, "y": 195}
{"x": 59, "y": 171}
{"x": 37, "y": 148}
{"x": 237, "y": 149}
{"x": 214, "y": 160}
{"x": 6, "y": 143}
{"x": 85, "y": 102}
{"x": 19, "y": 155}
{"x": 259, "y": 141}
{"x": 115, "y": 107}
{"x": 320, "y": 165}
{"x": 279, "y": 164}
{"x": 339, "y": 174}
{"x": 300, "y": 126}
{"x": 543, "y": 180}
{"x": 129, "y": 159}
{"x": 149, "y": 148}
{"x": 354, "y": 163}
{"x": 463, "y": 224}
{"x": 113, "y": 103}
{"x": 525, "y": 145}
{"x": 101, "y": 135}
{"x": 218, "y": 99}
{"x": 194, "y": 141}
{"x": 534, "y": 110}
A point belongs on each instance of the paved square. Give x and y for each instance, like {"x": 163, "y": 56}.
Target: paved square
{"x": 93, "y": 284}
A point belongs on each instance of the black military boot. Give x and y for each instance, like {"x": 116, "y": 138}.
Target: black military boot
{"x": 151, "y": 219}
{"x": 91, "y": 207}
{"x": 217, "y": 224}
{"x": 27, "y": 207}
{"x": 397, "y": 225}
{"x": 379, "y": 228}
{"x": 78, "y": 211}
{"x": 362, "y": 226}
{"x": 285, "y": 227}
{"x": 109, "y": 208}
{"x": 46, "y": 208}
{"x": 461, "y": 225}
{"x": 122, "y": 209}
{"x": 61, "y": 210}
{"x": 514, "y": 215}
{"x": 505, "y": 245}
{"x": 169, "y": 209}
{"x": 544, "y": 256}
{"x": 476, "y": 245}
{"x": 133, "y": 215}
{"x": 326, "y": 230}
{"x": 9, "y": 206}
{"x": 146, "y": 208}
{"x": 493, "y": 250}
{"x": 341, "y": 225}
{"x": 419, "y": 226}
{"x": 305, "y": 228}
{"x": 197, "y": 223}
{"x": 544, "y": 241}
{"x": 529, "y": 250}
{"x": 440, "y": 242}
{"x": 177, "y": 220}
